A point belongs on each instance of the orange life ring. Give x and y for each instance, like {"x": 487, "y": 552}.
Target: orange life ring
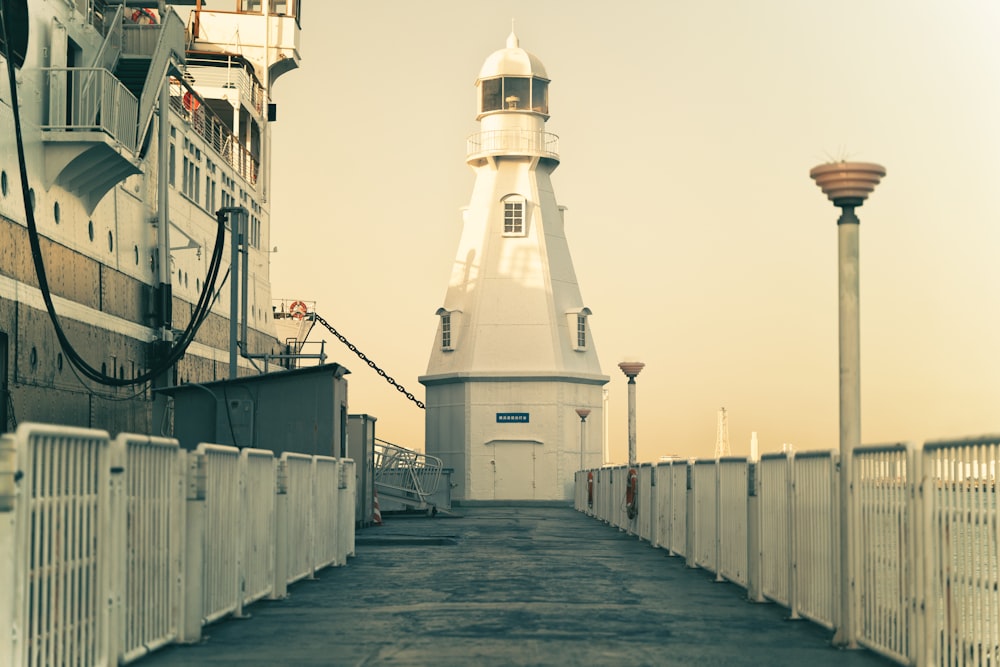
{"x": 590, "y": 489}
{"x": 632, "y": 493}
{"x": 191, "y": 103}
{"x": 144, "y": 16}
{"x": 298, "y": 310}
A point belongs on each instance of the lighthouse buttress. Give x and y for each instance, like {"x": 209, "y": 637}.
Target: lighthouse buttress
{"x": 513, "y": 357}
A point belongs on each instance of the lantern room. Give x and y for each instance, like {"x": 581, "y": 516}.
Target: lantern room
{"x": 513, "y": 80}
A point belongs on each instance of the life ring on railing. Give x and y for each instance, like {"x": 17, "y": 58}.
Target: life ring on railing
{"x": 590, "y": 489}
{"x": 298, "y": 310}
{"x": 144, "y": 16}
{"x": 191, "y": 103}
{"x": 632, "y": 494}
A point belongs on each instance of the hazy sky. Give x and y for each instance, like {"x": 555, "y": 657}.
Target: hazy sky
{"x": 687, "y": 131}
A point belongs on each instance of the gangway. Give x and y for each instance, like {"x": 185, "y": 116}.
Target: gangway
{"x": 406, "y": 476}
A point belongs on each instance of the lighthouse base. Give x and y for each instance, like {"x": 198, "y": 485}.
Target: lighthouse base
{"x": 514, "y": 438}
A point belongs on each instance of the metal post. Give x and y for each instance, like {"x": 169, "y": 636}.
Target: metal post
{"x": 237, "y": 230}
{"x": 850, "y": 407}
{"x": 631, "y": 369}
{"x": 234, "y": 288}
{"x": 165, "y": 294}
{"x": 631, "y": 421}
{"x": 583, "y": 412}
{"x": 847, "y": 185}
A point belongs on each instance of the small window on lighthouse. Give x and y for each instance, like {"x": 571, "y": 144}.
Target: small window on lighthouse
{"x": 446, "y": 331}
{"x": 576, "y": 325}
{"x": 513, "y": 216}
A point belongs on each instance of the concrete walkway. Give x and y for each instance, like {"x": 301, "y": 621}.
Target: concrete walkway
{"x": 511, "y": 586}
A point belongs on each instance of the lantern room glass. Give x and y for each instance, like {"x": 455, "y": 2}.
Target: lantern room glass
{"x": 514, "y": 93}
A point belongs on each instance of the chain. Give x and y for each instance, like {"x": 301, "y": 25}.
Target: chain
{"x": 361, "y": 355}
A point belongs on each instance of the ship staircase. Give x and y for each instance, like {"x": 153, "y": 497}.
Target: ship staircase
{"x": 407, "y": 477}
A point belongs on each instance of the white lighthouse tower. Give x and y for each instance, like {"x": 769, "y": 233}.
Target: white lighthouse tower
{"x": 513, "y": 359}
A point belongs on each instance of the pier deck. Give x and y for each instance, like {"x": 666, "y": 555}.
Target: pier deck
{"x": 513, "y": 585}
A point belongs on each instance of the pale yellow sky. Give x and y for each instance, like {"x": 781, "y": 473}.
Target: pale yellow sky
{"x": 687, "y": 131}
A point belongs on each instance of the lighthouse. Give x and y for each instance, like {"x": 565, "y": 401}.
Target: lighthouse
{"x": 513, "y": 358}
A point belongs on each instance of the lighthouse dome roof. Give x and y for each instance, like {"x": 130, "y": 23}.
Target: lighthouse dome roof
{"x": 512, "y": 61}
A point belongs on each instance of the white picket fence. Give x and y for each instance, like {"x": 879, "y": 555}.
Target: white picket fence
{"x": 925, "y": 538}
{"x": 110, "y": 549}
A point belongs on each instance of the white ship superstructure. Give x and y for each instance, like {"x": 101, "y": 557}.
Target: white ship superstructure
{"x": 139, "y": 121}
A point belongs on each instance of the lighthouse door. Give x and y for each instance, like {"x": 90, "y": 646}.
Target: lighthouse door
{"x": 514, "y": 470}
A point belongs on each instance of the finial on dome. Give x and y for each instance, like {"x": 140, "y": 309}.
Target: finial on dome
{"x": 512, "y": 41}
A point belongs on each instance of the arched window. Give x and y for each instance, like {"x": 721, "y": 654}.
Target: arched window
{"x": 513, "y": 215}
{"x": 579, "y": 331}
{"x": 449, "y": 328}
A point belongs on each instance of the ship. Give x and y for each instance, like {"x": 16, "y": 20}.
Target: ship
{"x": 135, "y": 205}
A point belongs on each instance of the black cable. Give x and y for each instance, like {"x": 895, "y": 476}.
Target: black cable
{"x": 204, "y": 302}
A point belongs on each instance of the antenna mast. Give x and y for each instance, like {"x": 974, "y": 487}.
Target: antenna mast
{"x": 722, "y": 436}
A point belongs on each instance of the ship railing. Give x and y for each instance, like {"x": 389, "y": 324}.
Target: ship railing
{"x": 96, "y": 101}
{"x": 513, "y": 142}
{"x": 406, "y": 474}
{"x": 216, "y": 133}
{"x": 112, "y": 549}
{"x": 924, "y": 530}
{"x": 227, "y": 75}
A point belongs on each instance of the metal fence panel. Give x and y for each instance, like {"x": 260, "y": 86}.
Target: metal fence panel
{"x": 776, "y": 556}
{"x": 661, "y": 499}
{"x": 678, "y": 509}
{"x": 348, "y": 498}
{"x": 258, "y": 479}
{"x": 327, "y": 482}
{"x": 224, "y": 540}
{"x": 299, "y": 528}
{"x": 61, "y": 548}
{"x": 152, "y": 514}
{"x": 733, "y": 519}
{"x": 817, "y": 536}
{"x": 705, "y": 516}
{"x": 961, "y": 531}
{"x": 646, "y": 513}
{"x": 884, "y": 546}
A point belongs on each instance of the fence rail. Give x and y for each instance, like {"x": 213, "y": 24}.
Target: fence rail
{"x": 925, "y": 538}
{"x": 110, "y": 550}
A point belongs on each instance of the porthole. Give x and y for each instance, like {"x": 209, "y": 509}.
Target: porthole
{"x": 135, "y": 248}
{"x": 59, "y": 362}
{"x": 197, "y": 285}
{"x": 3, "y": 183}
{"x": 33, "y": 358}
{"x": 111, "y": 242}
{"x": 185, "y": 279}
{"x": 90, "y": 229}
{"x": 180, "y": 277}
{"x": 55, "y": 212}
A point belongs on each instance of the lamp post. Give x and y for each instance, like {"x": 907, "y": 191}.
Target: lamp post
{"x": 583, "y": 412}
{"x": 847, "y": 185}
{"x": 631, "y": 369}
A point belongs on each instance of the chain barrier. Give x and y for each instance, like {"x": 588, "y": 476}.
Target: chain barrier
{"x": 361, "y": 355}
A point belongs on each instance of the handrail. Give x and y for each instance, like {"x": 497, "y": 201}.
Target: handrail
{"x": 97, "y": 101}
{"x": 513, "y": 142}
{"x": 411, "y": 473}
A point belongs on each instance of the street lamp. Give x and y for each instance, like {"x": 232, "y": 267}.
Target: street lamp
{"x": 848, "y": 184}
{"x": 582, "y": 412}
{"x": 631, "y": 369}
